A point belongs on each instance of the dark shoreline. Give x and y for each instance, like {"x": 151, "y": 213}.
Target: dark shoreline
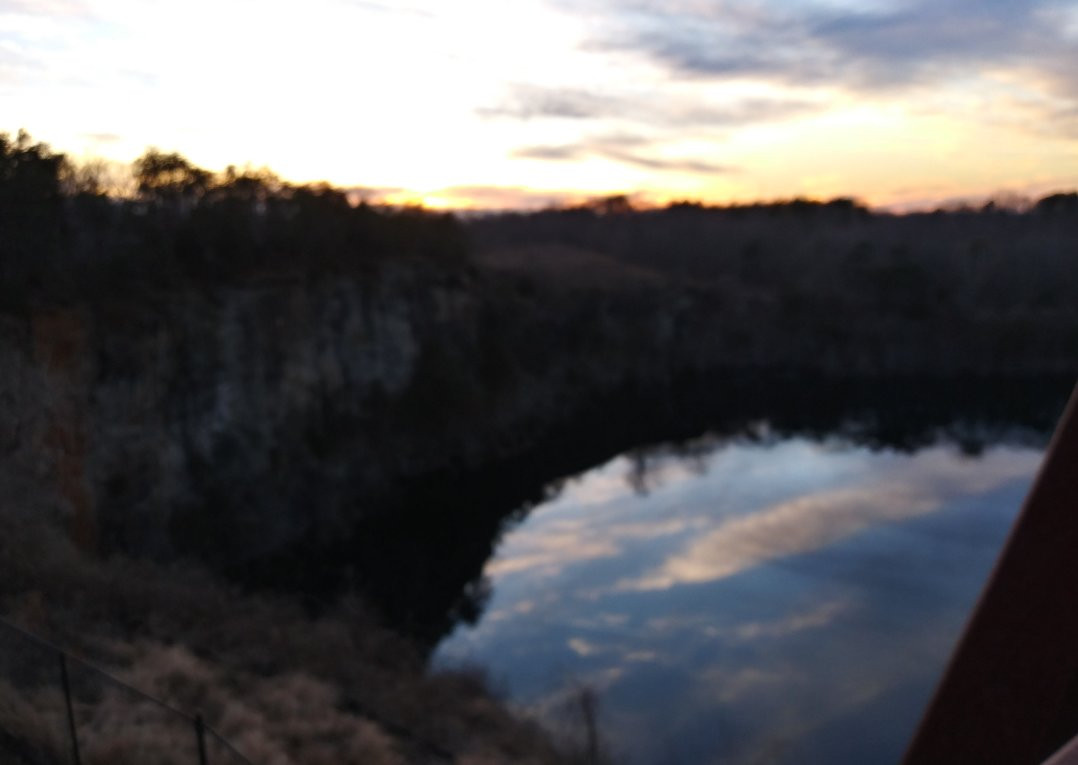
{"x": 418, "y": 552}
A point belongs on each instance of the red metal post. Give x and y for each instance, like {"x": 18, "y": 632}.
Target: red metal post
{"x": 1010, "y": 693}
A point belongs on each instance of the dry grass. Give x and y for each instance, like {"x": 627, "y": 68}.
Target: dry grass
{"x": 281, "y": 687}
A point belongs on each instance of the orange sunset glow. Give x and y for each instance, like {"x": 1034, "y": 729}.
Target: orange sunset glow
{"x": 480, "y": 104}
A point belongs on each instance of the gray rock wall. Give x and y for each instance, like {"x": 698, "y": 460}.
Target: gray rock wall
{"x": 229, "y": 423}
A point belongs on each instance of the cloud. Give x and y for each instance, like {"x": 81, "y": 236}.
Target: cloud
{"x": 478, "y": 198}
{"x": 506, "y": 197}
{"x": 582, "y": 647}
{"x": 876, "y": 46}
{"x": 564, "y": 153}
{"x": 391, "y": 8}
{"x": 556, "y": 545}
{"x": 818, "y": 616}
{"x": 797, "y": 526}
{"x": 372, "y": 194}
{"x": 549, "y": 553}
{"x": 729, "y": 685}
{"x": 1059, "y": 77}
{"x": 663, "y": 108}
{"x": 814, "y": 618}
{"x": 100, "y": 138}
{"x": 813, "y": 521}
{"x": 14, "y": 65}
{"x": 616, "y": 152}
{"x": 525, "y": 101}
{"x": 36, "y": 35}
{"x": 872, "y": 48}
{"x": 45, "y": 7}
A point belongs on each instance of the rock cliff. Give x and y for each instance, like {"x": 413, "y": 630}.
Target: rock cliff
{"x": 259, "y": 425}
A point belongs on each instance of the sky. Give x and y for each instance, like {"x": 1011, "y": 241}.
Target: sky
{"x": 775, "y": 601}
{"x": 488, "y": 103}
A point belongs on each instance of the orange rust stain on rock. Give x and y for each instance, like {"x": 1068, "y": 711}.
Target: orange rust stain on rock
{"x": 60, "y": 344}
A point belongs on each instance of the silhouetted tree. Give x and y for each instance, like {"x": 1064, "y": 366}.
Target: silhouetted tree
{"x": 169, "y": 177}
{"x": 30, "y": 210}
{"x": 1058, "y": 204}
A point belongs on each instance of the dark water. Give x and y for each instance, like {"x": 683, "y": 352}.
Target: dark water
{"x": 757, "y": 600}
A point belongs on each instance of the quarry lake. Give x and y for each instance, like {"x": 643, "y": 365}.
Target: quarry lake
{"x": 759, "y": 599}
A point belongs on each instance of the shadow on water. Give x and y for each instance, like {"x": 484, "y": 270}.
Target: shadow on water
{"x": 419, "y": 553}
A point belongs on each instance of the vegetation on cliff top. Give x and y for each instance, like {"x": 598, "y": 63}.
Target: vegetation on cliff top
{"x": 71, "y": 231}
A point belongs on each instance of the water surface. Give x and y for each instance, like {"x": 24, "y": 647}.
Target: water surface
{"x": 750, "y": 601}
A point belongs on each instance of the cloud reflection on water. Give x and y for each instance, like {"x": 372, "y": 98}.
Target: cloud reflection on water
{"x": 921, "y": 485}
{"x": 759, "y": 531}
{"x": 791, "y": 590}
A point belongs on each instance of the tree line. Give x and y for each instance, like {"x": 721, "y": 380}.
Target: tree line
{"x": 67, "y": 231}
{"x": 805, "y": 256}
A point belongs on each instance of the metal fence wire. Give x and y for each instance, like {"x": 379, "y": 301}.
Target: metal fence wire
{"x": 56, "y": 708}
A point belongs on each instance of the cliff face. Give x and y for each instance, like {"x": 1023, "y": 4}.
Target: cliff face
{"x": 230, "y": 423}
{"x": 264, "y": 419}
{"x": 142, "y": 415}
